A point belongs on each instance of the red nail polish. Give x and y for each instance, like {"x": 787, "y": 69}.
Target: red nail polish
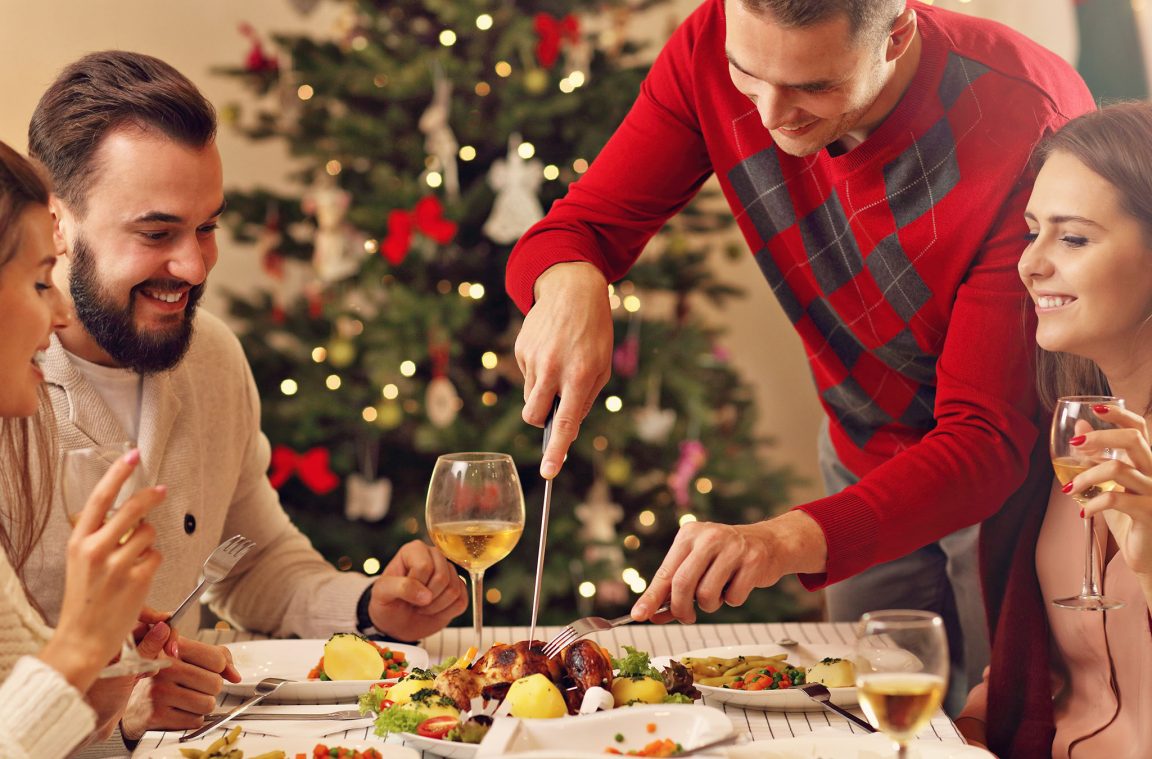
{"x": 1100, "y": 408}
{"x": 1081, "y": 513}
{"x": 1067, "y": 488}
{"x": 1078, "y": 440}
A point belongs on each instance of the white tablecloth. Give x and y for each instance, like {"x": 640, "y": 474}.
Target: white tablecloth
{"x": 658, "y": 640}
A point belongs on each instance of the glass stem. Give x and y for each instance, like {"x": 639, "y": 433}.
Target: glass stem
{"x": 1091, "y": 586}
{"x": 478, "y": 605}
{"x": 902, "y": 750}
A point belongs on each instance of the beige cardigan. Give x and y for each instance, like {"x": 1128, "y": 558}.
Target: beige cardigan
{"x": 200, "y": 435}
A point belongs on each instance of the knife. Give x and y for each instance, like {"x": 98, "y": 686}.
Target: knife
{"x": 543, "y": 526}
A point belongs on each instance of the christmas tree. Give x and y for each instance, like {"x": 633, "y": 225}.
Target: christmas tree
{"x": 433, "y": 133}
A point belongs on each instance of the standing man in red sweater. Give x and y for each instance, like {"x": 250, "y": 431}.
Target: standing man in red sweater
{"x": 875, "y": 154}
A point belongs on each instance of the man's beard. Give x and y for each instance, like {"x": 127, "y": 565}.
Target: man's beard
{"x": 113, "y": 327}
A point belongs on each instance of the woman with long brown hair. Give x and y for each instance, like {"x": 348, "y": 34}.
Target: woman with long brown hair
{"x": 1063, "y": 682}
{"x": 50, "y": 698}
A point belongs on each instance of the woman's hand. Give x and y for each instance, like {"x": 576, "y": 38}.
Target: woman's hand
{"x": 108, "y": 697}
{"x": 1128, "y": 512}
{"x": 110, "y": 569}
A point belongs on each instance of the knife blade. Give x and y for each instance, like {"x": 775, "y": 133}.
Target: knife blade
{"x": 543, "y": 526}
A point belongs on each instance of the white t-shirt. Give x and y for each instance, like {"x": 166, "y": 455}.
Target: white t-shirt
{"x": 121, "y": 389}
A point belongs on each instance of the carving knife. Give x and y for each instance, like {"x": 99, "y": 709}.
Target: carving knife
{"x": 543, "y": 527}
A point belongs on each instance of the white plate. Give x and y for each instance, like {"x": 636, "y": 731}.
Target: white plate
{"x": 687, "y": 724}
{"x": 790, "y": 700}
{"x": 449, "y": 749}
{"x": 851, "y": 747}
{"x": 259, "y": 744}
{"x": 292, "y": 659}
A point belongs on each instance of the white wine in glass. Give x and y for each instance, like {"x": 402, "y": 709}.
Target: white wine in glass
{"x": 81, "y": 470}
{"x": 1074, "y": 416}
{"x": 901, "y": 671}
{"x": 475, "y": 515}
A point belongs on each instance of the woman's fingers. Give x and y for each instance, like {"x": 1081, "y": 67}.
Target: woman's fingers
{"x": 104, "y": 494}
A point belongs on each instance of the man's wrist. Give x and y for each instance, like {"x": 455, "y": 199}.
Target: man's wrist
{"x": 565, "y": 272}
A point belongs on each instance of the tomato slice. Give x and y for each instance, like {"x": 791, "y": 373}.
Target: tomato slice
{"x": 436, "y": 727}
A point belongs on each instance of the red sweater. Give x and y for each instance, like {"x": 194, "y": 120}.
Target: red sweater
{"x": 896, "y": 262}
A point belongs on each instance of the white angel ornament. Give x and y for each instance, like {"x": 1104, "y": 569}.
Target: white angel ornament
{"x": 516, "y": 182}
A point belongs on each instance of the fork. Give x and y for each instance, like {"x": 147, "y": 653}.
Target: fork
{"x": 264, "y": 688}
{"x": 216, "y": 567}
{"x": 818, "y": 692}
{"x": 585, "y": 626}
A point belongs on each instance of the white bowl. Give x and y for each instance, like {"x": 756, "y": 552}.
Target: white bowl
{"x": 293, "y": 659}
{"x": 784, "y": 700}
{"x": 687, "y": 724}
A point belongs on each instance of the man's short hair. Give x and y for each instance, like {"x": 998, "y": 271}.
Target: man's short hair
{"x": 868, "y": 19}
{"x": 103, "y": 92}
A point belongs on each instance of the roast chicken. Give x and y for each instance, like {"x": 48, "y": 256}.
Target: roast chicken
{"x": 580, "y": 667}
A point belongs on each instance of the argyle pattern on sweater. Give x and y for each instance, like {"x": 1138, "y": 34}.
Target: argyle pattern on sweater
{"x": 918, "y": 178}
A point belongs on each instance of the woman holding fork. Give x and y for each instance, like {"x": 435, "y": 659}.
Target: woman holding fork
{"x": 1069, "y": 683}
{"x": 50, "y": 698}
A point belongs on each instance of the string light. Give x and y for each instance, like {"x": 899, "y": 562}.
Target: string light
{"x": 576, "y": 79}
{"x": 359, "y": 42}
{"x": 613, "y": 403}
{"x": 443, "y": 287}
{"x": 704, "y": 485}
{"x": 411, "y": 406}
{"x": 566, "y": 86}
{"x": 447, "y": 38}
{"x": 380, "y": 80}
{"x": 526, "y": 150}
{"x": 503, "y": 69}
{"x": 613, "y": 301}
{"x": 467, "y": 153}
{"x": 434, "y": 179}
{"x": 630, "y": 575}
{"x": 390, "y": 392}
{"x": 639, "y": 586}
{"x": 493, "y": 595}
{"x": 319, "y": 353}
{"x": 462, "y": 288}
{"x": 483, "y": 89}
{"x": 631, "y": 304}
{"x": 580, "y": 166}
{"x": 333, "y": 167}
{"x": 488, "y": 398}
{"x": 483, "y": 22}
{"x": 551, "y": 172}
{"x": 489, "y": 360}
{"x": 344, "y": 563}
{"x": 371, "y": 566}
{"x": 647, "y": 518}
{"x": 687, "y": 518}
{"x": 600, "y": 443}
{"x": 631, "y": 542}
{"x": 289, "y": 387}
{"x": 407, "y": 368}
{"x": 476, "y": 291}
{"x": 369, "y": 413}
{"x": 412, "y": 525}
{"x": 587, "y": 589}
{"x": 305, "y": 92}
{"x": 332, "y": 382}
{"x": 371, "y": 246}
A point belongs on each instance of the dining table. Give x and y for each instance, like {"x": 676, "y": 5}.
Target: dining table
{"x": 658, "y": 640}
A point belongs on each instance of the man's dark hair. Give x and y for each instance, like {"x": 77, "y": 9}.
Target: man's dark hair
{"x": 103, "y": 92}
{"x": 868, "y": 19}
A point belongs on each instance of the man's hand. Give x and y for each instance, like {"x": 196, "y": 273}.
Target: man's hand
{"x": 417, "y": 594}
{"x": 178, "y": 697}
{"x": 565, "y": 349}
{"x": 712, "y": 563}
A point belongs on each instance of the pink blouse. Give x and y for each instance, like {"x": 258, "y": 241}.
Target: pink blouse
{"x": 1102, "y": 661}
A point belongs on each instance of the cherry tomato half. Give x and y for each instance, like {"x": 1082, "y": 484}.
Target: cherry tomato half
{"x": 436, "y": 727}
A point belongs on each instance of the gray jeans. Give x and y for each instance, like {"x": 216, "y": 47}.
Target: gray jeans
{"x": 942, "y": 577}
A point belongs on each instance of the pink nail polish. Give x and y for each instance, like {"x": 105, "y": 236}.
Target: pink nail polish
{"x": 1067, "y": 488}
{"x": 1100, "y": 408}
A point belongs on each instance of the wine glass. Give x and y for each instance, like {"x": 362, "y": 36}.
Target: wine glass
{"x": 901, "y": 671}
{"x": 1074, "y": 416}
{"x": 82, "y": 469}
{"x": 475, "y": 515}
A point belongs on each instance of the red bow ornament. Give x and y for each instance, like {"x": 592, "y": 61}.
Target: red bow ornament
{"x": 310, "y": 467}
{"x": 552, "y": 32}
{"x": 426, "y": 217}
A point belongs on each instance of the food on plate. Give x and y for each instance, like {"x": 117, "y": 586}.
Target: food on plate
{"x": 638, "y": 690}
{"x": 225, "y": 747}
{"x": 835, "y": 673}
{"x": 745, "y": 672}
{"x": 535, "y": 697}
{"x": 518, "y": 678}
{"x": 348, "y": 656}
{"x": 663, "y": 747}
{"x": 339, "y": 752}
